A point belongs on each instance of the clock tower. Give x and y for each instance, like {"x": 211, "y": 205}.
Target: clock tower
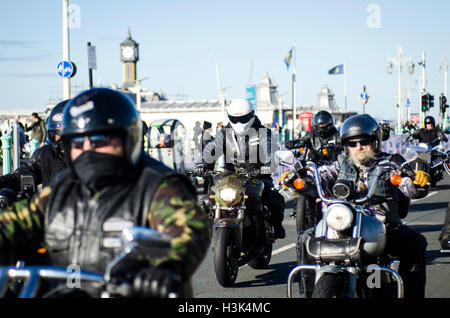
{"x": 129, "y": 50}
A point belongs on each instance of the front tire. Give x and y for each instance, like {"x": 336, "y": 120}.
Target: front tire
{"x": 330, "y": 286}
{"x": 226, "y": 253}
{"x": 305, "y": 213}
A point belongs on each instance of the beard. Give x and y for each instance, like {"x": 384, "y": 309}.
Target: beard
{"x": 362, "y": 157}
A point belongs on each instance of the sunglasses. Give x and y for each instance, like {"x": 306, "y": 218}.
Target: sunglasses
{"x": 95, "y": 140}
{"x": 362, "y": 142}
{"x": 53, "y": 133}
{"x": 241, "y": 119}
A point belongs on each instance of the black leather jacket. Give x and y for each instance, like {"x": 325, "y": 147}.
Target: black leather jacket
{"x": 82, "y": 227}
{"x": 46, "y": 162}
{"x": 317, "y": 144}
{"x": 427, "y": 136}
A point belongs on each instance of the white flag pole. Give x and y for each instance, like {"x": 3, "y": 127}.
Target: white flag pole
{"x": 345, "y": 84}
{"x": 294, "y": 115}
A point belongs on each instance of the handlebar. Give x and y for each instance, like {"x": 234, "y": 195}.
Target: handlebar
{"x": 32, "y": 276}
{"x": 380, "y": 171}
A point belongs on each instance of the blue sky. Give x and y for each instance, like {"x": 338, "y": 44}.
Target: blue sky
{"x": 180, "y": 42}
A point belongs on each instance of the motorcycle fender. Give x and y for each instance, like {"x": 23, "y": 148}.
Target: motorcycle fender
{"x": 329, "y": 269}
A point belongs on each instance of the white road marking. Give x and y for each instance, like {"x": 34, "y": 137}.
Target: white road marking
{"x": 284, "y": 248}
{"x": 429, "y": 195}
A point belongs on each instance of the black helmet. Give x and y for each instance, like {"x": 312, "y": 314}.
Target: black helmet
{"x": 54, "y": 122}
{"x": 361, "y": 125}
{"x": 103, "y": 110}
{"x": 323, "y": 123}
{"x": 430, "y": 120}
{"x": 54, "y": 119}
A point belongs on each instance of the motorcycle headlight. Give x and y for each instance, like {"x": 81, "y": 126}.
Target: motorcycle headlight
{"x": 339, "y": 217}
{"x": 228, "y": 195}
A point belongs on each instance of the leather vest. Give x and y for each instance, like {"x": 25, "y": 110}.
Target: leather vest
{"x": 385, "y": 197}
{"x": 84, "y": 228}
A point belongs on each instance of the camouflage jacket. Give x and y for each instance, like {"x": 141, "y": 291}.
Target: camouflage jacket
{"x": 173, "y": 210}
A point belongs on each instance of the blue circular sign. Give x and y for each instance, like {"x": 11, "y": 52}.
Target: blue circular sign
{"x": 65, "y": 69}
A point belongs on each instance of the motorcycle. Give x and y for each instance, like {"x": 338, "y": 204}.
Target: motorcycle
{"x": 307, "y": 209}
{"x": 431, "y": 159}
{"x": 242, "y": 232}
{"x": 139, "y": 245}
{"x": 349, "y": 241}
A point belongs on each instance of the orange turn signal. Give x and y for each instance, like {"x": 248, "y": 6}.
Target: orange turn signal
{"x": 42, "y": 250}
{"x": 325, "y": 152}
{"x": 299, "y": 184}
{"x": 302, "y": 150}
{"x": 396, "y": 179}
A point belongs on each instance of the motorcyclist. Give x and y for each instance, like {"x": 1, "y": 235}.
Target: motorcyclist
{"x": 431, "y": 135}
{"x": 430, "y": 132}
{"x": 111, "y": 184}
{"x": 47, "y": 160}
{"x": 361, "y": 138}
{"x": 323, "y": 135}
{"x": 247, "y": 142}
{"x": 385, "y": 130}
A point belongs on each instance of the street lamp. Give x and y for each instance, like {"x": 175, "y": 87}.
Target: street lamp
{"x": 389, "y": 67}
{"x": 399, "y": 60}
{"x": 138, "y": 92}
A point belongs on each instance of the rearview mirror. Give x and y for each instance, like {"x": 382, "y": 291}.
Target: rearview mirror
{"x": 139, "y": 244}
{"x": 146, "y": 242}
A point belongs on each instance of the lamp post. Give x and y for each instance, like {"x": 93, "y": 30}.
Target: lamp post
{"x": 138, "y": 93}
{"x": 445, "y": 68}
{"x": 423, "y": 85}
{"x": 66, "y": 45}
{"x": 399, "y": 60}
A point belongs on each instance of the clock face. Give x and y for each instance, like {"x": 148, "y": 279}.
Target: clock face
{"x": 128, "y": 52}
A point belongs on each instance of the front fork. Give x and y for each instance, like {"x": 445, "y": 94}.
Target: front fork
{"x": 236, "y": 224}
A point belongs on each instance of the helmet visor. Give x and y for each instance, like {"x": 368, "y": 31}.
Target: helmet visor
{"x": 241, "y": 119}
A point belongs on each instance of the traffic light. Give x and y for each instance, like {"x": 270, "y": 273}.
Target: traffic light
{"x": 425, "y": 105}
{"x": 430, "y": 101}
{"x": 442, "y": 103}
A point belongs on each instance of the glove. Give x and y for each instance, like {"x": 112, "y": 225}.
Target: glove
{"x": 156, "y": 283}
{"x": 289, "y": 144}
{"x": 422, "y": 178}
{"x": 199, "y": 170}
{"x": 294, "y": 144}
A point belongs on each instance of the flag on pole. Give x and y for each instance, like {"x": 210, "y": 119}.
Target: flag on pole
{"x": 288, "y": 58}
{"x": 339, "y": 69}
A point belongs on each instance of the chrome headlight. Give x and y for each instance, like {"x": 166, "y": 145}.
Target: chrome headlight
{"x": 339, "y": 217}
{"x": 228, "y": 195}
{"x": 342, "y": 189}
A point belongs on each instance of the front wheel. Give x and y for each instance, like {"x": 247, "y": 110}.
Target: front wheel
{"x": 226, "y": 257}
{"x": 305, "y": 213}
{"x": 330, "y": 286}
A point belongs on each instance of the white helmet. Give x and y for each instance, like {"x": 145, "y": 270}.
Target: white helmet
{"x": 241, "y": 115}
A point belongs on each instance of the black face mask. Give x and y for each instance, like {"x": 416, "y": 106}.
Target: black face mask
{"x": 98, "y": 170}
